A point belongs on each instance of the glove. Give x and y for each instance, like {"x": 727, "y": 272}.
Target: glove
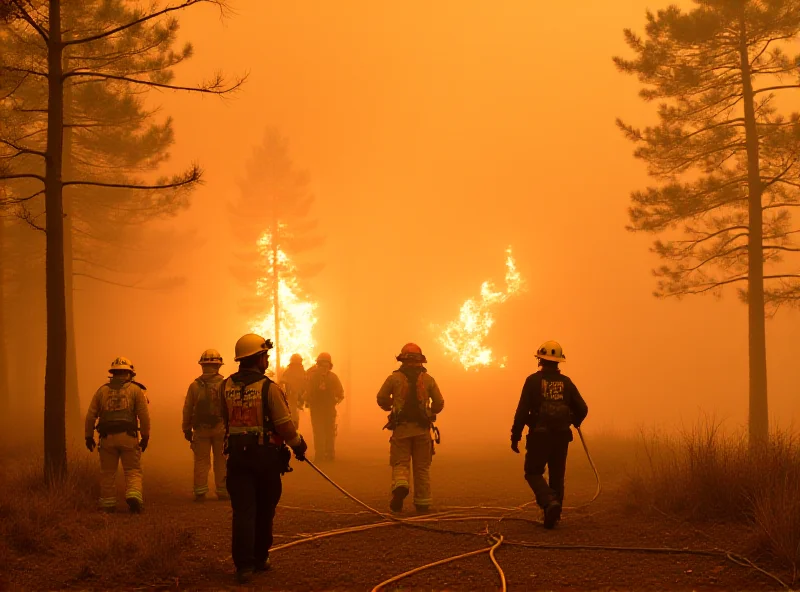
{"x": 90, "y": 444}
{"x": 515, "y": 446}
{"x": 143, "y": 444}
{"x": 300, "y": 449}
{"x": 188, "y": 435}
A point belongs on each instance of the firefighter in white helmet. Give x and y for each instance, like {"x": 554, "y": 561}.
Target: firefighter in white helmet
{"x": 549, "y": 404}
{"x": 202, "y": 425}
{"x": 414, "y": 399}
{"x": 258, "y": 426}
{"x": 119, "y": 409}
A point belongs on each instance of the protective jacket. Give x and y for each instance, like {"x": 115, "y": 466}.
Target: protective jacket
{"x": 294, "y": 379}
{"x": 254, "y": 409}
{"x": 202, "y": 407}
{"x": 324, "y": 389}
{"x": 550, "y": 402}
{"x": 412, "y": 395}
{"x": 117, "y": 407}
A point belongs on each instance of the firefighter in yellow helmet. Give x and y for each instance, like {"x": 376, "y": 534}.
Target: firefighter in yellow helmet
{"x": 258, "y": 426}
{"x": 324, "y": 392}
{"x": 119, "y": 409}
{"x": 293, "y": 381}
{"x": 202, "y": 425}
{"x": 414, "y": 399}
{"x": 549, "y": 404}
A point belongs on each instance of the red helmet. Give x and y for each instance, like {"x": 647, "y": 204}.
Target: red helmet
{"x": 411, "y": 352}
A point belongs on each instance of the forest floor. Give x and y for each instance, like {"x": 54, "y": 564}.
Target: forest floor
{"x": 179, "y": 544}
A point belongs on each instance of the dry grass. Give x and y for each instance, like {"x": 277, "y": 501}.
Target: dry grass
{"x": 58, "y": 525}
{"x": 708, "y": 474}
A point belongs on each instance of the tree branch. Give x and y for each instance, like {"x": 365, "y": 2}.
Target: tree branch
{"x": 27, "y": 17}
{"x": 770, "y": 88}
{"x": 214, "y": 88}
{"x": 22, "y": 176}
{"x": 193, "y": 177}
{"x": 21, "y": 149}
{"x": 144, "y": 19}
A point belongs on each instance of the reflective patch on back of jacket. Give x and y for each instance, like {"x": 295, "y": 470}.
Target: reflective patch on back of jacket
{"x": 245, "y": 407}
{"x": 554, "y": 412}
{"x": 117, "y": 404}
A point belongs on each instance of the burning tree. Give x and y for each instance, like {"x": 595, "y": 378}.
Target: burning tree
{"x": 725, "y": 159}
{"x": 128, "y": 36}
{"x": 271, "y": 217}
{"x": 464, "y": 339}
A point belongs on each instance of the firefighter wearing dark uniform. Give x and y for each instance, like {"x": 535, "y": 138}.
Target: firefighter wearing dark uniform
{"x": 549, "y": 404}
{"x": 258, "y": 426}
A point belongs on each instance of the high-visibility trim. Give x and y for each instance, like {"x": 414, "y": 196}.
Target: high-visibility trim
{"x": 108, "y": 502}
{"x": 399, "y": 483}
{"x": 423, "y": 502}
{"x": 133, "y": 494}
{"x": 201, "y": 490}
{"x": 222, "y": 491}
{"x": 286, "y": 419}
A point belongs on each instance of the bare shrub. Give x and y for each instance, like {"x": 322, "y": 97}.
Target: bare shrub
{"x": 705, "y": 473}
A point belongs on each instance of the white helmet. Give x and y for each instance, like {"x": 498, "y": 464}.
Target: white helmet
{"x": 211, "y": 356}
{"x": 551, "y": 350}
{"x": 122, "y": 364}
{"x": 249, "y": 345}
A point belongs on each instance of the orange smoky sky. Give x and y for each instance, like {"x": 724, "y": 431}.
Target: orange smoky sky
{"x": 436, "y": 134}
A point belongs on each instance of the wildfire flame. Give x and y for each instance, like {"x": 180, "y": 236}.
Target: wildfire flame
{"x": 463, "y": 339}
{"x": 296, "y": 312}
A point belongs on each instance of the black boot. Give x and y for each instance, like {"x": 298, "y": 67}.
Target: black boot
{"x": 552, "y": 514}
{"x": 398, "y": 495}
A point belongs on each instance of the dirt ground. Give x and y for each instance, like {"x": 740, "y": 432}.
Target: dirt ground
{"x": 359, "y": 561}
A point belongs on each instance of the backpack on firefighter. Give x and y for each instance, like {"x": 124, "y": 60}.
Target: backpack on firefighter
{"x": 249, "y": 424}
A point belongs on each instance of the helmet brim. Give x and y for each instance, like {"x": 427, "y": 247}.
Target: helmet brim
{"x": 551, "y": 358}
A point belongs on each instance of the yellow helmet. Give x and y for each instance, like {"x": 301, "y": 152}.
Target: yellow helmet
{"x": 121, "y": 363}
{"x": 249, "y": 345}
{"x": 551, "y": 350}
{"x": 211, "y": 356}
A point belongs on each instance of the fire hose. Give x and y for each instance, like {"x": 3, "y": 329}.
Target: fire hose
{"x": 496, "y": 539}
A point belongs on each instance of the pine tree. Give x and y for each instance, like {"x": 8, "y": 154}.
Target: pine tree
{"x": 724, "y": 157}
{"x": 271, "y": 218}
{"x": 112, "y": 54}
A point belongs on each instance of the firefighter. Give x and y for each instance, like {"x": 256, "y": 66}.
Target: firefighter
{"x": 324, "y": 392}
{"x": 258, "y": 425}
{"x": 120, "y": 410}
{"x": 202, "y": 426}
{"x": 413, "y": 398}
{"x": 293, "y": 381}
{"x": 549, "y": 404}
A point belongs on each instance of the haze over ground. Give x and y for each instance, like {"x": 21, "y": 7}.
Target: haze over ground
{"x": 436, "y": 136}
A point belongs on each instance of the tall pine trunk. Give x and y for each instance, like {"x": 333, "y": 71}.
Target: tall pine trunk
{"x": 758, "y": 421}
{"x": 5, "y": 401}
{"x": 73, "y": 400}
{"x": 55, "y": 441}
{"x": 276, "y": 299}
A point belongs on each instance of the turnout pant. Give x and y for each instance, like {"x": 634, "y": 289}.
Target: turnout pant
{"x": 323, "y": 423}
{"x": 116, "y": 448}
{"x": 204, "y": 441}
{"x": 254, "y": 486}
{"x": 414, "y": 452}
{"x": 547, "y": 449}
